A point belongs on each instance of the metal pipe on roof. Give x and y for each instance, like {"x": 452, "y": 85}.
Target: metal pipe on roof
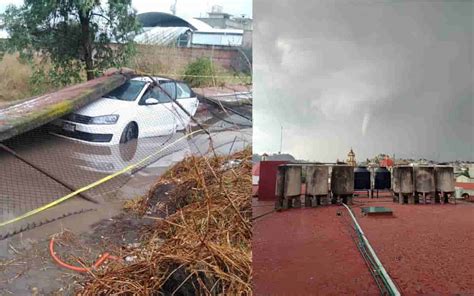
{"x": 381, "y": 269}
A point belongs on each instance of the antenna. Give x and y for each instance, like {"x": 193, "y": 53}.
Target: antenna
{"x": 281, "y": 138}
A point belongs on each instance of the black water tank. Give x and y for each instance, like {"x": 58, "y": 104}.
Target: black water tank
{"x": 382, "y": 178}
{"x": 361, "y": 178}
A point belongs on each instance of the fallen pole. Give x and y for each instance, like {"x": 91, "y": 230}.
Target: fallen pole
{"x": 391, "y": 285}
{"x": 218, "y": 103}
{"x": 37, "y": 111}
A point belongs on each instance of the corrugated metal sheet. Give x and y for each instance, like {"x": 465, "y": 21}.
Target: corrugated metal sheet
{"x": 160, "y": 35}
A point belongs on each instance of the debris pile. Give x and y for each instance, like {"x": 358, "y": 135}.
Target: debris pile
{"x": 203, "y": 247}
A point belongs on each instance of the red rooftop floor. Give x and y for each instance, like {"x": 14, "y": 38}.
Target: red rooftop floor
{"x": 427, "y": 250}
{"x": 307, "y": 252}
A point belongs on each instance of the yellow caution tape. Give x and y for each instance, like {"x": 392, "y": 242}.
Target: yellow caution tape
{"x": 187, "y": 75}
{"x": 90, "y": 186}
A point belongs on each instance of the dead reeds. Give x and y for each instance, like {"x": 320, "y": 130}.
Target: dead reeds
{"x": 204, "y": 246}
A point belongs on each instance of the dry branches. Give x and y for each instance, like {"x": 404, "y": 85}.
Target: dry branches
{"x": 204, "y": 247}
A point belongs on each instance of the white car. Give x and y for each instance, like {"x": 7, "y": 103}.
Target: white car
{"x": 112, "y": 158}
{"x": 136, "y": 109}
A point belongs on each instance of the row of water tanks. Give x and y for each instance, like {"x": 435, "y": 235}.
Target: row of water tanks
{"x": 345, "y": 179}
{"x": 317, "y": 180}
{"x": 423, "y": 179}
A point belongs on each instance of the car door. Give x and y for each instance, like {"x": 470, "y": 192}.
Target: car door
{"x": 157, "y": 119}
{"x": 186, "y": 98}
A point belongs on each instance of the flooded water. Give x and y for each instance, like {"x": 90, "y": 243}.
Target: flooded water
{"x": 52, "y": 167}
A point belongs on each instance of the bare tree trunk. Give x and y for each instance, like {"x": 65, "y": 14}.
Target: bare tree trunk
{"x": 87, "y": 43}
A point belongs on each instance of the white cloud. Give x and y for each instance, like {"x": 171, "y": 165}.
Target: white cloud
{"x": 185, "y": 8}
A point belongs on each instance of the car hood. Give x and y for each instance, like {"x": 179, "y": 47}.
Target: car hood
{"x": 104, "y": 106}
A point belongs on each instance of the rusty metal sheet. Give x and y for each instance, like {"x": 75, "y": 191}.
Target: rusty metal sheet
{"x": 37, "y": 111}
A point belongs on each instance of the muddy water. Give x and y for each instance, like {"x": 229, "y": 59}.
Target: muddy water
{"x": 66, "y": 165}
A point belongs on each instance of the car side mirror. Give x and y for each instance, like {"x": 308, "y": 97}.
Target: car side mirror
{"x": 151, "y": 101}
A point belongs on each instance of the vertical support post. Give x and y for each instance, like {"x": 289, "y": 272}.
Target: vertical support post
{"x": 297, "y": 201}
{"x": 307, "y": 201}
{"x": 411, "y": 198}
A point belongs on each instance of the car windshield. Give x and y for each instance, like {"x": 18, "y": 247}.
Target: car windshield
{"x": 128, "y": 91}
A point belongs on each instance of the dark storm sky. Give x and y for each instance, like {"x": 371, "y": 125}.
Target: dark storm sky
{"x": 379, "y": 76}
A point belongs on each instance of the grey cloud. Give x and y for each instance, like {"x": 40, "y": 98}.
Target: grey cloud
{"x": 381, "y": 76}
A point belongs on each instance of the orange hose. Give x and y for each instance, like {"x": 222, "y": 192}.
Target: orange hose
{"x": 77, "y": 268}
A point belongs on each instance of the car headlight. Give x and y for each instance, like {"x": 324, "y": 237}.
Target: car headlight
{"x": 105, "y": 119}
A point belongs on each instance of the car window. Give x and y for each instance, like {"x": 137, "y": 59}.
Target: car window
{"x": 146, "y": 95}
{"x": 183, "y": 90}
{"x": 129, "y": 91}
{"x": 156, "y": 93}
{"x": 170, "y": 88}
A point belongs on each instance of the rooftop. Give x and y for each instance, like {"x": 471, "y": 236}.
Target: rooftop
{"x": 424, "y": 248}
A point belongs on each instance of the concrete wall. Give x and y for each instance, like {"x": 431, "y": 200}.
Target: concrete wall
{"x": 176, "y": 58}
{"x": 268, "y": 179}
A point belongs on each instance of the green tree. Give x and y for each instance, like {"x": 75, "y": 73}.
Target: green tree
{"x": 72, "y": 36}
{"x": 199, "y": 73}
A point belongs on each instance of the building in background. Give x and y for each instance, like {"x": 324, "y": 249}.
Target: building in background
{"x": 465, "y": 182}
{"x": 277, "y": 158}
{"x": 221, "y": 20}
{"x": 219, "y": 30}
{"x": 386, "y": 162}
{"x": 218, "y": 19}
{"x": 351, "y": 158}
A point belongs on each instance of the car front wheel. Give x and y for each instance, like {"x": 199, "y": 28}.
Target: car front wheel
{"x": 129, "y": 133}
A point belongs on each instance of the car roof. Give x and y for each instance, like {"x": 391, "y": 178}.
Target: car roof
{"x": 158, "y": 78}
{"x": 148, "y": 79}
